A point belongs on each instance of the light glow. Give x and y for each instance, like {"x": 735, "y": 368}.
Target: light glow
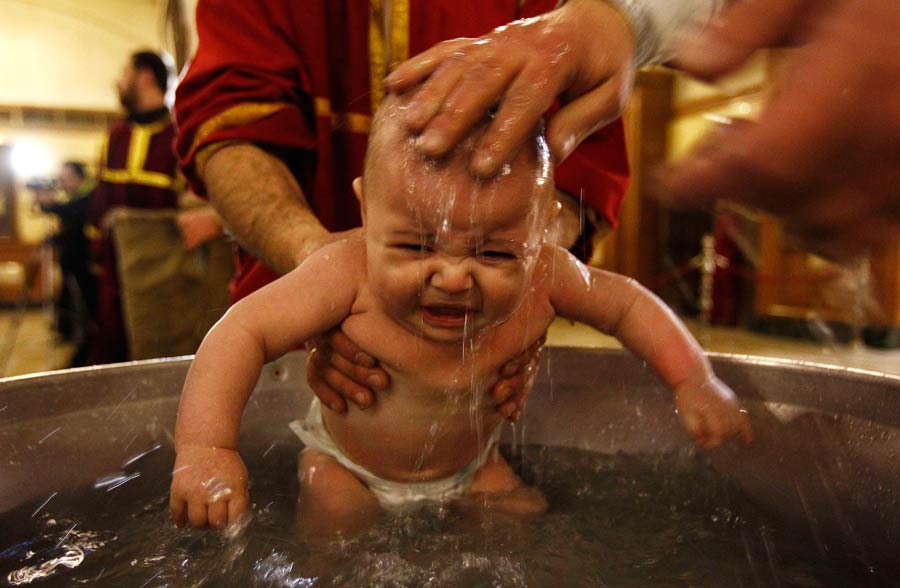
{"x": 30, "y": 159}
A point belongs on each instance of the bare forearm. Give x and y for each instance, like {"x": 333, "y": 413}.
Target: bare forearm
{"x": 263, "y": 206}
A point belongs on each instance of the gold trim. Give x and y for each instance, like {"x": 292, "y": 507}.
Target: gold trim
{"x": 399, "y": 33}
{"x": 323, "y": 106}
{"x": 143, "y": 177}
{"x": 138, "y": 147}
{"x": 104, "y": 152}
{"x": 207, "y": 151}
{"x": 92, "y": 233}
{"x": 353, "y": 122}
{"x": 377, "y": 50}
{"x": 237, "y": 115}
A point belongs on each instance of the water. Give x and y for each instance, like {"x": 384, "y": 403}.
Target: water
{"x": 614, "y": 521}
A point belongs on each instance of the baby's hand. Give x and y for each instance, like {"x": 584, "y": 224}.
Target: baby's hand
{"x": 710, "y": 412}
{"x": 209, "y": 485}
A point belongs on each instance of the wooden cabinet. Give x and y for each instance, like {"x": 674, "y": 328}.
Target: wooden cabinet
{"x": 795, "y": 290}
{"x": 21, "y": 263}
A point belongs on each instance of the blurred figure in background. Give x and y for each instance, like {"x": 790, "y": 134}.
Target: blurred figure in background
{"x": 78, "y": 296}
{"x": 138, "y": 169}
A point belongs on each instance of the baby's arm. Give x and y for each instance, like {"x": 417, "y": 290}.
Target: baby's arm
{"x": 618, "y": 305}
{"x": 209, "y": 482}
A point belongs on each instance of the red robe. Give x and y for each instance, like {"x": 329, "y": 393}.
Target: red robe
{"x": 138, "y": 169}
{"x": 303, "y": 78}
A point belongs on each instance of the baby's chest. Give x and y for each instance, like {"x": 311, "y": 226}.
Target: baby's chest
{"x": 426, "y": 367}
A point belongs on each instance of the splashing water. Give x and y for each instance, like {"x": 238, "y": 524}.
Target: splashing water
{"x": 667, "y": 521}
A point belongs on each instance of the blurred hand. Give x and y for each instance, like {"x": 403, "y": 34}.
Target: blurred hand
{"x": 710, "y": 413}
{"x": 337, "y": 370}
{"x": 825, "y": 153}
{"x": 581, "y": 52}
{"x": 209, "y": 487}
{"x": 198, "y": 226}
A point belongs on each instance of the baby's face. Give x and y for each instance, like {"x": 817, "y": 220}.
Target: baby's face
{"x": 449, "y": 256}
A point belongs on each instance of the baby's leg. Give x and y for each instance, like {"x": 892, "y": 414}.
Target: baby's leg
{"x": 497, "y": 487}
{"x": 332, "y": 500}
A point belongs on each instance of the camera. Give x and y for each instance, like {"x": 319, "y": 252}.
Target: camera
{"x": 42, "y": 184}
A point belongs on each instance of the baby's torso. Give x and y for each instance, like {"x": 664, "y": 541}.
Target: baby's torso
{"x": 438, "y": 413}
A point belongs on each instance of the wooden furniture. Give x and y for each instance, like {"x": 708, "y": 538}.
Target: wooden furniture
{"x": 18, "y": 261}
{"x": 796, "y": 290}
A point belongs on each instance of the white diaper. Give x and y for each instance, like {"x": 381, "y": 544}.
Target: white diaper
{"x": 391, "y": 495}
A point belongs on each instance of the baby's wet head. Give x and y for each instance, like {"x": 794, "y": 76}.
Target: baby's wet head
{"x": 396, "y": 169}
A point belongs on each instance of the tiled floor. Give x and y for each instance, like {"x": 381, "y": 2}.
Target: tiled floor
{"x": 28, "y": 343}
{"x": 34, "y": 347}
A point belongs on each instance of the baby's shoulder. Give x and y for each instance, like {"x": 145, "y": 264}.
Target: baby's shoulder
{"x": 551, "y": 262}
{"x": 348, "y": 255}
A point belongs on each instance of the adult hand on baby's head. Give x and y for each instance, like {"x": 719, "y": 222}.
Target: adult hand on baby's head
{"x": 581, "y": 52}
{"x": 710, "y": 412}
{"x": 517, "y": 378}
{"x": 209, "y": 487}
{"x": 338, "y": 370}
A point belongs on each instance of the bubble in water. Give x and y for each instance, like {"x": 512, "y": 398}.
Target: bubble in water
{"x": 71, "y": 558}
{"x": 236, "y": 528}
{"x": 277, "y": 571}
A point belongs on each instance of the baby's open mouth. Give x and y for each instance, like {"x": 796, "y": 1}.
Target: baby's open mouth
{"x": 446, "y": 315}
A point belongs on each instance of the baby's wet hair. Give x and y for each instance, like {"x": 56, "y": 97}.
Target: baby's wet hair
{"x": 390, "y": 137}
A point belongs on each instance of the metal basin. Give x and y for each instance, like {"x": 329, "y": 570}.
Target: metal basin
{"x": 825, "y": 456}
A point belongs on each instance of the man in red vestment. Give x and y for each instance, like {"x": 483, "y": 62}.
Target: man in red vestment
{"x": 138, "y": 169}
{"x": 274, "y": 112}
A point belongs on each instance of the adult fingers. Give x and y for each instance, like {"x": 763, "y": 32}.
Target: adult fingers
{"x": 479, "y": 88}
{"x": 535, "y": 348}
{"x": 528, "y": 97}
{"x": 527, "y": 359}
{"x": 345, "y": 347}
{"x": 325, "y": 393}
{"x": 375, "y": 378}
{"x": 346, "y": 387}
{"x": 507, "y": 388}
{"x": 416, "y": 69}
{"x": 760, "y": 163}
{"x": 217, "y": 514}
{"x": 742, "y": 29}
{"x": 429, "y": 99}
{"x": 575, "y": 121}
